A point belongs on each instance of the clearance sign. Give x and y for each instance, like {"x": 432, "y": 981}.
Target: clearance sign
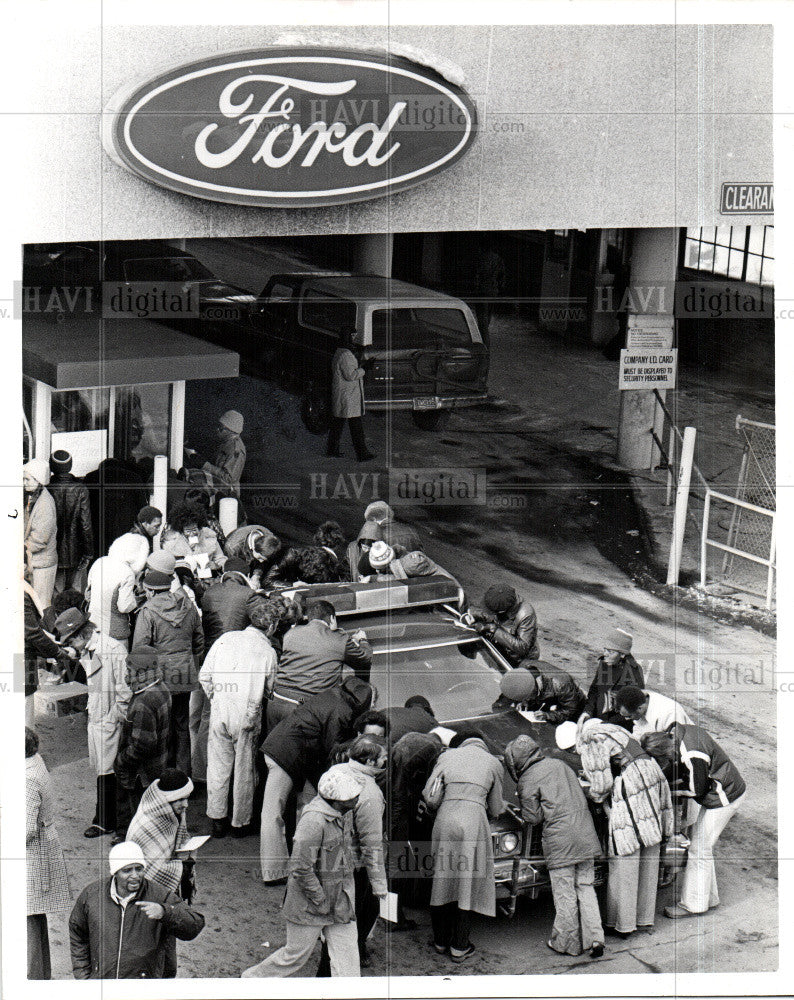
{"x": 647, "y": 368}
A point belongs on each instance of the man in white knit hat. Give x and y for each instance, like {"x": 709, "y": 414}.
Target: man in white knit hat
{"x": 320, "y": 890}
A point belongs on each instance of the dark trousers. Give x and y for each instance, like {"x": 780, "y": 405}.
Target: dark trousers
{"x": 451, "y": 926}
{"x": 367, "y": 912}
{"x": 127, "y": 802}
{"x": 105, "y": 815}
{"x": 356, "y": 434}
{"x": 38, "y": 947}
{"x": 179, "y": 733}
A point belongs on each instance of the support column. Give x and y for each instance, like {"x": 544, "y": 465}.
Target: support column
{"x": 176, "y": 450}
{"x": 654, "y": 263}
{"x": 373, "y": 254}
{"x": 42, "y": 420}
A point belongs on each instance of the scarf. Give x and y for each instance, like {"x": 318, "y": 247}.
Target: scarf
{"x": 158, "y": 832}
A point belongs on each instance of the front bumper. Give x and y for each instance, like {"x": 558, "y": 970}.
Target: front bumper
{"x": 440, "y": 402}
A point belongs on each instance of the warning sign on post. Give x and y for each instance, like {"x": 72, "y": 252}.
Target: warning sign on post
{"x": 647, "y": 369}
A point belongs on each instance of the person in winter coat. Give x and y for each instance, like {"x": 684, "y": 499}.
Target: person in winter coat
{"x": 230, "y": 458}
{"x": 552, "y": 694}
{"x": 320, "y": 895}
{"x": 236, "y": 676}
{"x": 549, "y": 793}
{"x": 649, "y": 711}
{"x": 255, "y": 545}
{"x": 509, "y": 622}
{"x": 312, "y": 660}
{"x": 39, "y": 647}
{"x": 120, "y": 927}
{"x": 640, "y": 818}
{"x": 616, "y": 669}
{"x": 47, "y": 880}
{"x": 466, "y": 785}
{"x": 73, "y": 517}
{"x": 416, "y": 716}
{"x": 384, "y": 561}
{"x": 298, "y": 750}
{"x": 116, "y": 492}
{"x": 347, "y": 400}
{"x": 41, "y": 529}
{"x": 357, "y": 551}
{"x": 111, "y": 597}
{"x": 143, "y": 742}
{"x": 188, "y": 536}
{"x": 169, "y": 622}
{"x": 148, "y": 522}
{"x": 366, "y": 762}
{"x": 701, "y": 771}
{"x": 393, "y": 532}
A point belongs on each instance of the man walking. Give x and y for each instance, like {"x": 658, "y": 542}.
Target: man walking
{"x": 237, "y": 675}
{"x": 320, "y": 896}
{"x": 347, "y": 400}
{"x": 120, "y": 927}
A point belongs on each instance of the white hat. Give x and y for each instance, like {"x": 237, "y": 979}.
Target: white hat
{"x": 233, "y": 421}
{"x": 39, "y": 469}
{"x": 338, "y": 784}
{"x": 126, "y": 853}
{"x": 565, "y": 735}
{"x": 380, "y": 555}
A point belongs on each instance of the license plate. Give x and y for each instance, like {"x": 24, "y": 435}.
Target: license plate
{"x": 427, "y": 403}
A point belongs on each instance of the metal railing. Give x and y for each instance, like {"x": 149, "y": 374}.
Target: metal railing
{"x": 731, "y": 550}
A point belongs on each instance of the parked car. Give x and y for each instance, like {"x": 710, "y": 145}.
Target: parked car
{"x": 426, "y": 352}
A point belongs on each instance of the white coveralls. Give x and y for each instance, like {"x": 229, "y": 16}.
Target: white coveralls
{"x": 238, "y": 672}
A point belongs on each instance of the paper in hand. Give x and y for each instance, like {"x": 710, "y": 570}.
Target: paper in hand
{"x": 388, "y": 907}
{"x": 194, "y": 843}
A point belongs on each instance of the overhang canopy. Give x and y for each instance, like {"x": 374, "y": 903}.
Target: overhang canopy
{"x": 83, "y": 352}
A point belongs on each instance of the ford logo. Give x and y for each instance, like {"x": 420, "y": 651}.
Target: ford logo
{"x": 291, "y": 127}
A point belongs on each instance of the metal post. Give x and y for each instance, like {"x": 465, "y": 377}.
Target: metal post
{"x": 160, "y": 492}
{"x": 704, "y": 534}
{"x": 177, "y": 442}
{"x": 681, "y": 504}
{"x": 671, "y": 466}
{"x": 42, "y": 420}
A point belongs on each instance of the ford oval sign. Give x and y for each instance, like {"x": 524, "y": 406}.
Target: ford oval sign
{"x": 292, "y": 127}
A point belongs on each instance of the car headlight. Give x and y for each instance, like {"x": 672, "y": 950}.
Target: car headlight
{"x": 508, "y": 843}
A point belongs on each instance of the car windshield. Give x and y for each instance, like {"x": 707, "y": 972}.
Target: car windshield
{"x": 461, "y": 681}
{"x": 402, "y": 328}
{"x": 166, "y": 269}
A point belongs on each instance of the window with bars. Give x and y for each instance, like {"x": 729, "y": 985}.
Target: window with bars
{"x": 745, "y": 253}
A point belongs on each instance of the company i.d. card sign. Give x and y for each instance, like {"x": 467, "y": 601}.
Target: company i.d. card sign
{"x": 291, "y": 127}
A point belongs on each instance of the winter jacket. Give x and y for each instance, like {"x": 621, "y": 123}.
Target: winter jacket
{"x": 313, "y": 656}
{"x": 143, "y": 744}
{"x": 237, "y": 546}
{"x": 301, "y": 744}
{"x": 229, "y": 463}
{"x": 224, "y": 608}
{"x": 111, "y": 942}
{"x": 208, "y": 544}
{"x": 662, "y": 712}
{"x": 111, "y": 587}
{"x": 408, "y": 720}
{"x": 347, "y": 385}
{"x": 320, "y": 887}
{"x": 367, "y": 814}
{"x": 397, "y": 533}
{"x": 47, "y": 879}
{"x": 558, "y": 695}
{"x": 413, "y": 758}
{"x": 41, "y": 530}
{"x": 39, "y": 646}
{"x": 515, "y": 635}
{"x": 237, "y": 675}
{"x": 115, "y": 506}
{"x": 416, "y": 563}
{"x": 709, "y": 775}
{"x": 610, "y": 679}
{"x": 169, "y": 622}
{"x": 73, "y": 514}
{"x": 550, "y": 793}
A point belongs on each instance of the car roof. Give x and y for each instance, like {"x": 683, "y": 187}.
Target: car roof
{"x": 376, "y": 288}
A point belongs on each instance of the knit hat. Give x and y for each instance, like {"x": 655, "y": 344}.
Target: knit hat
{"x": 380, "y": 555}
{"x": 126, "y": 853}
{"x": 233, "y": 421}
{"x": 518, "y": 685}
{"x": 378, "y": 511}
{"x": 60, "y": 461}
{"x": 619, "y": 641}
{"x": 235, "y": 565}
{"x": 370, "y": 531}
{"x": 155, "y": 580}
{"x": 565, "y": 735}
{"x": 500, "y": 598}
{"x": 174, "y": 784}
{"x": 339, "y": 785}
{"x": 68, "y": 622}
{"x": 162, "y": 561}
{"x": 148, "y": 514}
{"x": 39, "y": 469}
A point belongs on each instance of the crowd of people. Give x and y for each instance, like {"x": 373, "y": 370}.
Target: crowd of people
{"x": 209, "y": 674}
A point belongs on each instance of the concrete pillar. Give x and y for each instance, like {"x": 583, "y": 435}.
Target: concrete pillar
{"x": 176, "y": 445}
{"x": 373, "y": 254}
{"x": 42, "y": 420}
{"x": 654, "y": 263}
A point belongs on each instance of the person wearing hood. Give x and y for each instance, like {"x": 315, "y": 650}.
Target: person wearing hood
{"x": 552, "y": 694}
{"x": 236, "y": 676}
{"x": 169, "y": 623}
{"x": 550, "y": 794}
{"x": 41, "y": 529}
{"x": 358, "y": 550}
{"x": 143, "y": 742}
{"x": 230, "y": 458}
{"x": 393, "y": 532}
{"x": 111, "y": 598}
{"x": 120, "y": 927}
{"x": 384, "y": 562}
{"x": 466, "y": 788}
{"x": 320, "y": 896}
{"x": 73, "y": 516}
{"x": 616, "y": 669}
{"x": 509, "y": 622}
{"x": 366, "y": 762}
{"x": 255, "y": 545}
{"x": 640, "y": 818}
{"x": 298, "y": 750}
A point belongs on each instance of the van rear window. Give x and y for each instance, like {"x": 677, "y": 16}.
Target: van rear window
{"x": 327, "y": 312}
{"x": 399, "y": 329}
